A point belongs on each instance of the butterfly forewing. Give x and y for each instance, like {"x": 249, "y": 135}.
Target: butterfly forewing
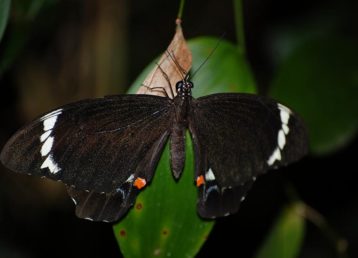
{"x": 93, "y": 144}
{"x": 236, "y": 138}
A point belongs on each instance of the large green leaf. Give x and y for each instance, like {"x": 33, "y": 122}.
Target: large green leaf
{"x": 164, "y": 221}
{"x": 4, "y": 15}
{"x": 285, "y": 238}
{"x": 320, "y": 81}
{"x": 225, "y": 71}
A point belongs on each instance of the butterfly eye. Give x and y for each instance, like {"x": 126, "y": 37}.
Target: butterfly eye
{"x": 191, "y": 85}
{"x": 179, "y": 85}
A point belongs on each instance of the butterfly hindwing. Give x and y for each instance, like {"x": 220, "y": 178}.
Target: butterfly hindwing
{"x": 216, "y": 201}
{"x": 107, "y": 207}
{"x": 93, "y": 144}
{"x": 236, "y": 138}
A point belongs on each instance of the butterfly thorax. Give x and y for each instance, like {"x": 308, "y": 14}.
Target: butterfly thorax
{"x": 184, "y": 87}
{"x": 182, "y": 101}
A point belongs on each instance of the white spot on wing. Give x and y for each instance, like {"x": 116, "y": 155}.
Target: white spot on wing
{"x": 281, "y": 138}
{"x": 209, "y": 175}
{"x": 284, "y": 114}
{"x": 285, "y": 129}
{"x": 50, "y": 164}
{"x": 44, "y": 136}
{"x": 47, "y": 146}
{"x": 49, "y": 123}
{"x": 276, "y": 155}
{"x": 130, "y": 178}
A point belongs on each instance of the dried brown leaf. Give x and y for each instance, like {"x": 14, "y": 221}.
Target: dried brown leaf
{"x": 172, "y": 66}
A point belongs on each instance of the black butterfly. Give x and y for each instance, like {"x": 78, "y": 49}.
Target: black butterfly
{"x": 106, "y": 150}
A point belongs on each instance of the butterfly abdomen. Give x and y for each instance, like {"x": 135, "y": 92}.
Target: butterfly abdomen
{"x": 177, "y": 135}
{"x": 177, "y": 149}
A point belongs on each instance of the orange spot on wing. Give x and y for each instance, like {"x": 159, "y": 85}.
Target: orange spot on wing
{"x": 200, "y": 181}
{"x": 139, "y": 182}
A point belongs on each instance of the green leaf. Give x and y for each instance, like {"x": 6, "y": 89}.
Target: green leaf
{"x": 164, "y": 221}
{"x": 225, "y": 71}
{"x": 4, "y": 15}
{"x": 285, "y": 237}
{"x": 319, "y": 80}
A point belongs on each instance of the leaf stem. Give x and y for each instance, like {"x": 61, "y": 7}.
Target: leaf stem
{"x": 181, "y": 9}
{"x": 239, "y": 24}
{"x": 317, "y": 219}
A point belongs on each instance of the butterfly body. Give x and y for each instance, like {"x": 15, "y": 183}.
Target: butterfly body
{"x": 106, "y": 150}
{"x": 182, "y": 104}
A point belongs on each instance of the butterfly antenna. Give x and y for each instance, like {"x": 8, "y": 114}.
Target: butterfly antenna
{"x": 182, "y": 71}
{"x": 207, "y": 58}
{"x": 166, "y": 77}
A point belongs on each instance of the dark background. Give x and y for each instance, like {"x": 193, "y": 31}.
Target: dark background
{"x": 36, "y": 217}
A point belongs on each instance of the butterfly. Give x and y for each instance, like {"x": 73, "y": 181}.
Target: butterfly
{"x": 106, "y": 150}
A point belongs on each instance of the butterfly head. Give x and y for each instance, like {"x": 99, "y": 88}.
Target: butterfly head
{"x": 184, "y": 87}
